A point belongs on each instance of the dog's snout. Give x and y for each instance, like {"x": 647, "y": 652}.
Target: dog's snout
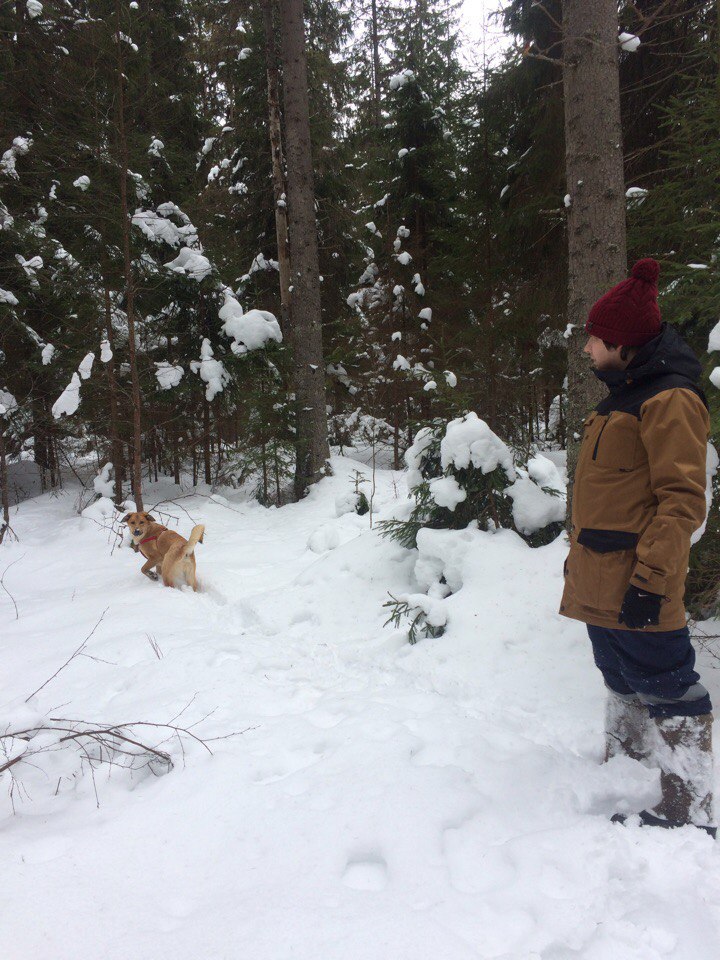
{"x": 137, "y": 533}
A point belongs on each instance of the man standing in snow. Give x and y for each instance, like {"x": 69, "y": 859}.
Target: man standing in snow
{"x": 639, "y": 495}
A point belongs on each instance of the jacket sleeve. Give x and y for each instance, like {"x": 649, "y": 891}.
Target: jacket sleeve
{"x": 674, "y": 428}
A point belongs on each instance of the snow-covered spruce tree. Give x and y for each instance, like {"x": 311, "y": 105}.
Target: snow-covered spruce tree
{"x": 84, "y": 226}
{"x": 461, "y": 472}
{"x": 403, "y": 168}
{"x": 238, "y": 200}
{"x": 512, "y": 204}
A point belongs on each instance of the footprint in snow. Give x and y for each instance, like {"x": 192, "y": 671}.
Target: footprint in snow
{"x": 366, "y": 872}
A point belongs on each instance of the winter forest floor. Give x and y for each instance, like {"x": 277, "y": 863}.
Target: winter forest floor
{"x": 442, "y": 801}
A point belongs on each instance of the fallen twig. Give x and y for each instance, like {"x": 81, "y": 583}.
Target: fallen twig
{"x": 71, "y": 657}
{"x": 2, "y": 584}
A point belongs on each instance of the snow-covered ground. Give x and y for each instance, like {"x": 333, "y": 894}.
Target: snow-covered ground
{"x": 442, "y": 801}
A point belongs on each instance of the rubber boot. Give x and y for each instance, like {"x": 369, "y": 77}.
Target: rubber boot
{"x": 626, "y": 721}
{"x": 682, "y": 748}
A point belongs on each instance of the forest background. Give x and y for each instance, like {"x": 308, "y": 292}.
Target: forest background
{"x": 144, "y": 322}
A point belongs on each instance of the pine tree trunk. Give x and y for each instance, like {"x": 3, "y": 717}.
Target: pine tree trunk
{"x": 128, "y": 270}
{"x": 279, "y": 192}
{"x": 206, "y": 442}
{"x": 41, "y": 439}
{"x": 597, "y": 255}
{"x": 116, "y": 446}
{"x": 4, "y": 491}
{"x": 311, "y": 443}
{"x": 376, "y": 62}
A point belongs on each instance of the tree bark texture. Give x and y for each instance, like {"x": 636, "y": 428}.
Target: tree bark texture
{"x": 115, "y": 441}
{"x": 279, "y": 192}
{"x": 376, "y": 63}
{"x": 597, "y": 254}
{"x": 305, "y": 316}
{"x": 136, "y": 463}
{"x": 4, "y": 489}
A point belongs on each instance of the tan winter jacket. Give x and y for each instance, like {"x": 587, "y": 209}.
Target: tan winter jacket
{"x": 639, "y": 487}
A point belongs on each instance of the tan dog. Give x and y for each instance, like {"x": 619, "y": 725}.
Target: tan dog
{"x": 165, "y": 550}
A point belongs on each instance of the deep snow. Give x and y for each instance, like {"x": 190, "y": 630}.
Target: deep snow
{"x": 442, "y": 801}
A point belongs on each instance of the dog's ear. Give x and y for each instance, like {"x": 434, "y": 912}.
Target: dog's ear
{"x": 126, "y": 518}
{"x": 150, "y": 519}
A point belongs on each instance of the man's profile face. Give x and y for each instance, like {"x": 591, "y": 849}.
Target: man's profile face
{"x": 601, "y": 357}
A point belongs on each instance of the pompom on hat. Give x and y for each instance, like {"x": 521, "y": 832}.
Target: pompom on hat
{"x": 628, "y": 314}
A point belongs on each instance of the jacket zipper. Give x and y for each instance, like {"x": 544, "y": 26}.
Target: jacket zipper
{"x": 597, "y": 442}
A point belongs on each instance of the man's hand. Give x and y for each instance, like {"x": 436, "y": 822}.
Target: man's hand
{"x": 640, "y": 609}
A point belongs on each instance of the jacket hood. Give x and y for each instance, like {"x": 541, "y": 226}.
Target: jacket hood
{"x": 664, "y": 354}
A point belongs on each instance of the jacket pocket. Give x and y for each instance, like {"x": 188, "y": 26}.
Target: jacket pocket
{"x": 616, "y": 442}
{"x": 607, "y": 561}
{"x": 607, "y": 541}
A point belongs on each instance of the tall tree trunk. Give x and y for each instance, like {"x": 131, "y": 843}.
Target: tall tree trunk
{"x": 175, "y": 453}
{"x": 376, "y": 62}
{"x": 41, "y": 450}
{"x": 279, "y": 192}
{"x": 115, "y": 441}
{"x": 4, "y": 490}
{"x": 127, "y": 264}
{"x": 311, "y": 443}
{"x": 597, "y": 254}
{"x": 206, "y": 441}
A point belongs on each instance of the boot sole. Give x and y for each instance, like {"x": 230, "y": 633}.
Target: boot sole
{"x": 648, "y": 819}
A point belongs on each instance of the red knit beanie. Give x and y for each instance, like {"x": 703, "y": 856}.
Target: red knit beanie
{"x": 628, "y": 315}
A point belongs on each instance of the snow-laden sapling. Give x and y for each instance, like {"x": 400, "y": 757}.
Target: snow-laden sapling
{"x": 457, "y": 472}
{"x": 362, "y": 505}
{"x": 461, "y": 472}
{"x": 461, "y": 475}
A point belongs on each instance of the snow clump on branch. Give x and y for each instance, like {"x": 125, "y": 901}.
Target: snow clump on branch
{"x": 211, "y": 371}
{"x": 398, "y": 80}
{"x": 470, "y": 441}
{"x": 19, "y": 148}
{"x": 69, "y": 400}
{"x": 168, "y": 375}
{"x": 629, "y": 42}
{"x": 191, "y": 264}
{"x": 8, "y": 403}
{"x": 248, "y": 331}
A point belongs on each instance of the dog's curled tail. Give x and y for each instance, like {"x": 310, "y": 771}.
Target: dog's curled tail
{"x": 195, "y": 537}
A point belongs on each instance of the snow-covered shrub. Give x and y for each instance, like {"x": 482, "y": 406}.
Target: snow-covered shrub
{"x": 457, "y": 473}
{"x": 461, "y": 472}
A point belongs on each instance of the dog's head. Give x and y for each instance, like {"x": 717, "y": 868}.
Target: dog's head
{"x": 139, "y": 523}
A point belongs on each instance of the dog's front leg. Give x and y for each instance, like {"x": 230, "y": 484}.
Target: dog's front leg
{"x": 147, "y": 569}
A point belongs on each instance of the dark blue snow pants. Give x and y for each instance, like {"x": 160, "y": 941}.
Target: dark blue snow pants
{"x": 657, "y": 667}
